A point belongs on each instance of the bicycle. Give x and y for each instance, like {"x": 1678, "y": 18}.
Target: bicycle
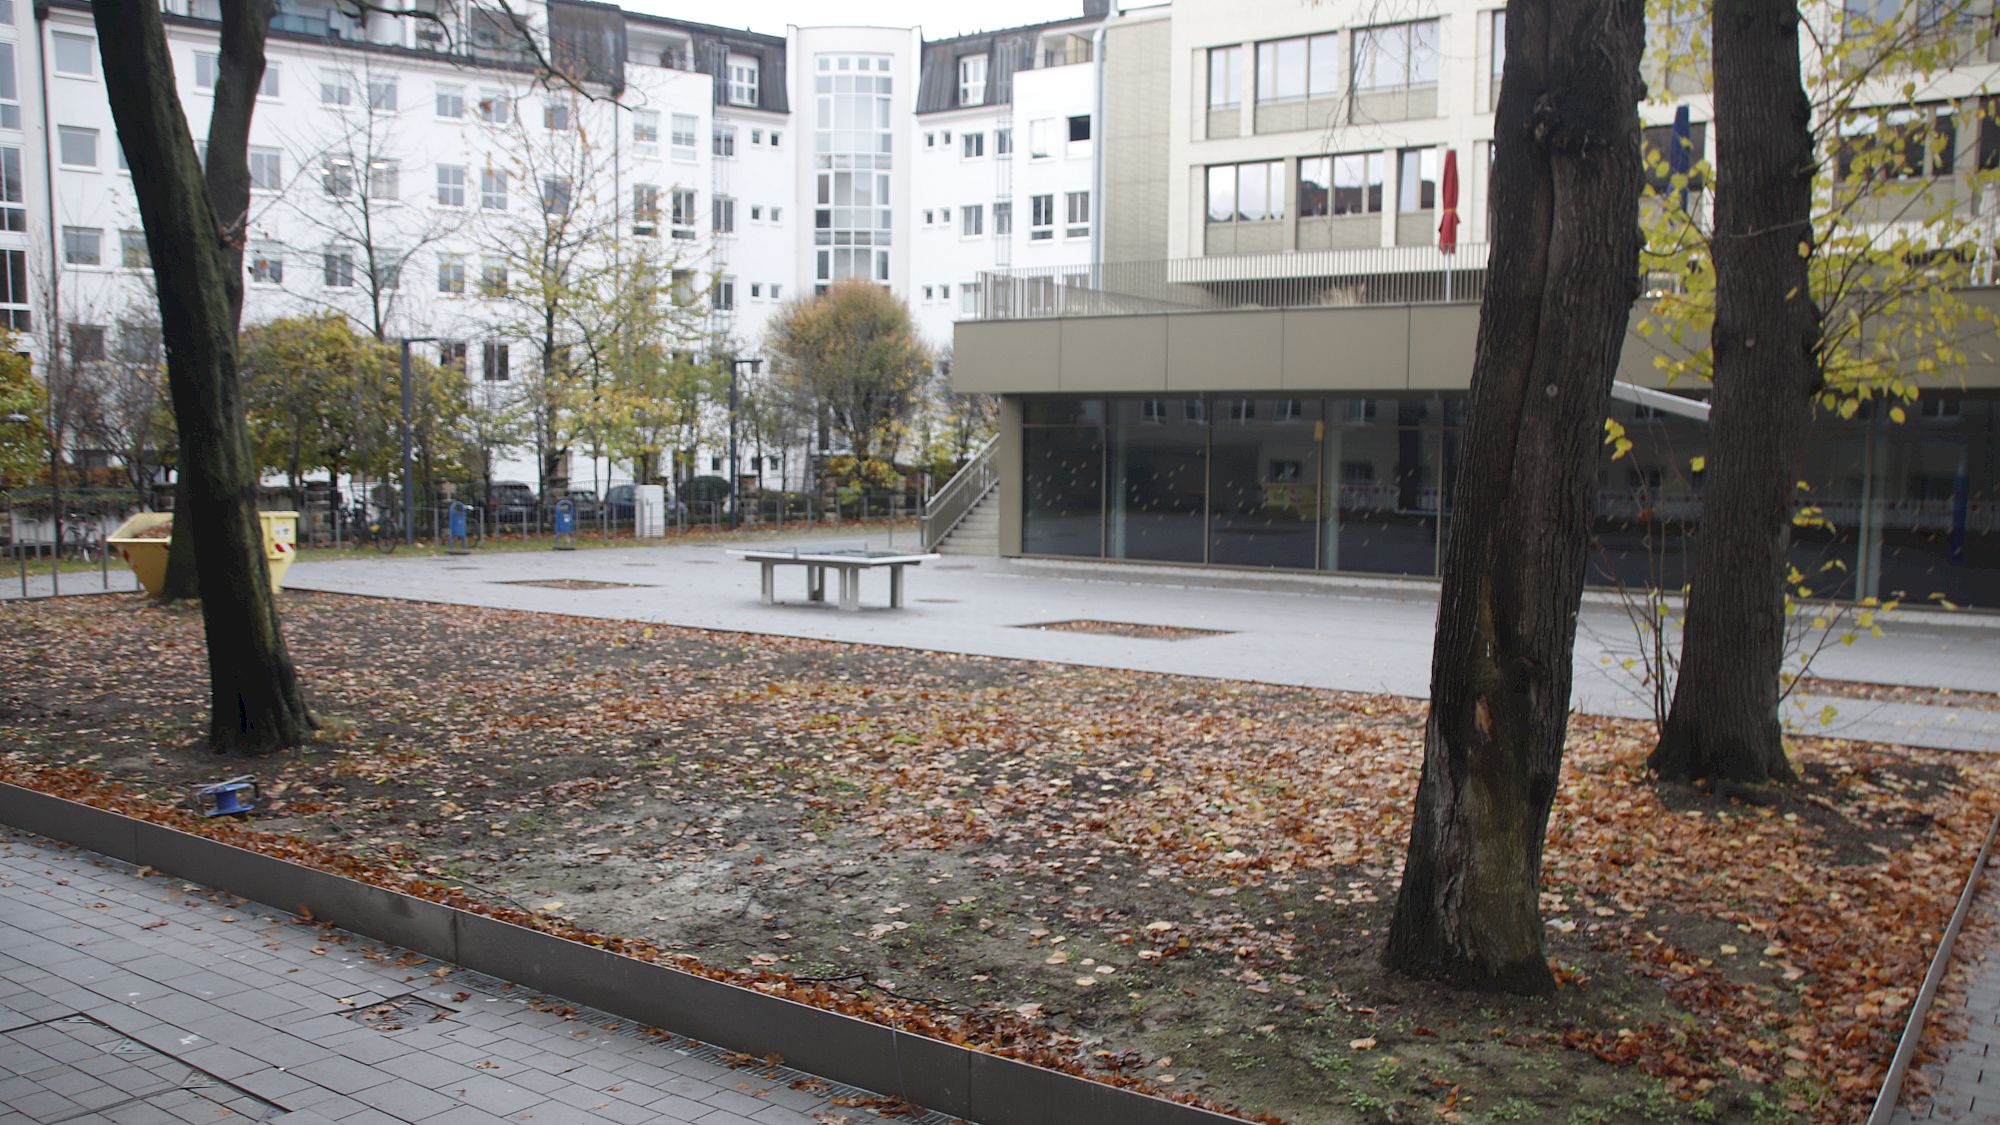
{"x": 383, "y": 532}
{"x": 82, "y": 539}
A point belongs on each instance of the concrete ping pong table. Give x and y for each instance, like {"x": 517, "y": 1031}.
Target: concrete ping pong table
{"x": 847, "y": 560}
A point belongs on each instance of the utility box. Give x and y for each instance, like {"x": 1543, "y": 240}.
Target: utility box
{"x": 649, "y": 511}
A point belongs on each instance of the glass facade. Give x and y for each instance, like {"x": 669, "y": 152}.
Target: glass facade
{"x": 853, "y": 156}
{"x": 1338, "y": 483}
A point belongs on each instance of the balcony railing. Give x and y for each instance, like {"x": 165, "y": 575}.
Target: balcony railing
{"x": 1390, "y": 275}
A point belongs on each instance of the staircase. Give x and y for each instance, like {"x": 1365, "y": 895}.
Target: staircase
{"x": 978, "y": 533}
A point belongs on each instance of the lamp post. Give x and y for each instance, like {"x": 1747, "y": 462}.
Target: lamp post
{"x": 735, "y": 499}
{"x": 409, "y": 497}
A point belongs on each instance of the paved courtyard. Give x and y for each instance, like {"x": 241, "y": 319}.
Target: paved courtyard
{"x": 1313, "y": 631}
{"x": 131, "y": 998}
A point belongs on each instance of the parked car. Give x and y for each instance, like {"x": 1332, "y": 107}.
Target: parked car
{"x": 618, "y": 503}
{"x": 510, "y": 498}
{"x": 585, "y": 503}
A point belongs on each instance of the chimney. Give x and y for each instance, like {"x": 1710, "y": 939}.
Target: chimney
{"x": 1096, "y": 9}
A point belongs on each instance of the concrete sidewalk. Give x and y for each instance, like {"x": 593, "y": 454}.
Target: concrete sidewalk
{"x": 1314, "y": 631}
{"x": 141, "y": 999}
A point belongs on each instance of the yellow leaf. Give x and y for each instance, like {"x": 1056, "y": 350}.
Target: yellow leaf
{"x": 1698, "y": 463}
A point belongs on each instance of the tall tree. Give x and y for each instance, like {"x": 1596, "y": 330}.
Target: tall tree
{"x": 195, "y": 239}
{"x": 1565, "y": 197}
{"x": 854, "y": 353}
{"x": 1724, "y": 718}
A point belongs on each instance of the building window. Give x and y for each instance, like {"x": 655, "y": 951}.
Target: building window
{"x": 451, "y": 274}
{"x": 971, "y": 220}
{"x": 742, "y": 80}
{"x": 1416, "y": 180}
{"x": 1003, "y": 142}
{"x": 1225, "y": 77}
{"x": 1341, "y": 185}
{"x": 1041, "y": 138}
{"x": 1499, "y": 50}
{"x": 493, "y": 278}
{"x": 1657, "y": 145}
{"x": 14, "y": 312}
{"x": 493, "y": 107}
{"x": 722, "y": 140}
{"x": 1306, "y": 66}
{"x": 10, "y": 94}
{"x": 1395, "y": 57}
{"x": 555, "y": 195}
{"x": 385, "y": 180}
{"x": 451, "y": 102}
{"x": 683, "y": 137}
{"x": 83, "y": 246}
{"x": 451, "y": 353}
{"x": 335, "y": 88}
{"x": 86, "y": 342}
{"x": 207, "y": 68}
{"x": 132, "y": 251}
{"x": 683, "y": 203}
{"x": 972, "y": 145}
{"x": 1003, "y": 219}
{"x": 1077, "y": 214}
{"x": 267, "y": 87}
{"x": 725, "y": 295}
{"x": 267, "y": 169}
{"x": 492, "y": 190}
{"x": 76, "y": 55}
{"x": 337, "y": 267}
{"x": 267, "y": 263}
{"x": 336, "y": 176}
{"x": 853, "y": 224}
{"x": 76, "y": 148}
{"x": 646, "y": 128}
{"x": 1079, "y": 128}
{"x": 451, "y": 185}
{"x": 493, "y": 362}
{"x": 777, "y": 291}
{"x": 972, "y": 80}
{"x": 756, "y": 212}
{"x": 382, "y": 95}
{"x": 645, "y": 210}
{"x": 968, "y": 298}
{"x": 555, "y": 115}
{"x": 13, "y": 191}
{"x": 1248, "y": 193}
{"x": 1041, "y": 218}
{"x": 1898, "y": 144}
{"x": 774, "y": 138}
{"x": 386, "y": 270}
{"x": 723, "y": 214}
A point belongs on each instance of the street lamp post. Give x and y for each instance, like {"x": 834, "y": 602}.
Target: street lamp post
{"x": 735, "y": 497}
{"x": 409, "y": 497}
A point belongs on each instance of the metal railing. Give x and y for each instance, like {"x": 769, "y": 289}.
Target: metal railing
{"x": 949, "y": 506}
{"x": 1384, "y": 275}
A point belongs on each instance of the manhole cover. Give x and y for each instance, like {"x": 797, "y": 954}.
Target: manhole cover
{"x": 77, "y": 1061}
{"x": 940, "y": 601}
{"x": 570, "y": 584}
{"x": 399, "y": 1013}
{"x": 1129, "y": 629}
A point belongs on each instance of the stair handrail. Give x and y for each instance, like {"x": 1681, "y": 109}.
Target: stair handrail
{"x": 949, "y": 506}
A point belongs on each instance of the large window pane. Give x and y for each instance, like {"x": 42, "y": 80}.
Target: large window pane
{"x": 1253, "y": 192}
{"x": 1323, "y": 72}
{"x": 1222, "y": 193}
{"x": 1264, "y": 503}
{"x": 1062, "y": 453}
{"x": 1383, "y": 468}
{"x": 1315, "y": 186}
{"x": 1158, "y": 480}
{"x": 1416, "y": 180}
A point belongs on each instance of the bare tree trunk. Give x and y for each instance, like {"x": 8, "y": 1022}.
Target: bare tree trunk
{"x": 1565, "y": 215}
{"x": 256, "y": 705}
{"x": 1724, "y": 719}
{"x": 240, "y": 70}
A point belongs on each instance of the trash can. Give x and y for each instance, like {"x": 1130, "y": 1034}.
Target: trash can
{"x": 142, "y": 542}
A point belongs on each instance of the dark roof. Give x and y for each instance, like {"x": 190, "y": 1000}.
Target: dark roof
{"x": 1006, "y": 52}
{"x": 712, "y": 47}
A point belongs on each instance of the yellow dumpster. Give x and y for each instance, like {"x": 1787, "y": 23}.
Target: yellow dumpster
{"x": 142, "y": 542}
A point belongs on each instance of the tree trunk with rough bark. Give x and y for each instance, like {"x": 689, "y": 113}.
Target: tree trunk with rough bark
{"x": 1723, "y": 722}
{"x": 239, "y": 71}
{"x": 1565, "y": 260}
{"x": 256, "y": 705}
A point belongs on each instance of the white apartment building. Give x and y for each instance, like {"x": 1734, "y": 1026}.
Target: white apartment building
{"x": 403, "y": 171}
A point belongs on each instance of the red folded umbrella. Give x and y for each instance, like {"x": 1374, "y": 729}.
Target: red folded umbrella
{"x": 1448, "y": 225}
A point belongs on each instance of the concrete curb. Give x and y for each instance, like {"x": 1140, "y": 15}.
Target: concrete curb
{"x": 936, "y": 1075}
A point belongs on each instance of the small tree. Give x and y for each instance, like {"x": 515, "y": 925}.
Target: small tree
{"x": 314, "y": 391}
{"x": 854, "y": 353}
{"x": 24, "y": 453}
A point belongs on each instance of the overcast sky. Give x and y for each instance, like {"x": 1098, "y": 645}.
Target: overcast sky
{"x": 939, "y": 18}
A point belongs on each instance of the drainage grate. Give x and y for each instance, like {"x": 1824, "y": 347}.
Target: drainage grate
{"x": 1129, "y": 629}
{"x": 399, "y": 1013}
{"x": 940, "y": 601}
{"x": 90, "y": 1071}
{"x": 572, "y": 584}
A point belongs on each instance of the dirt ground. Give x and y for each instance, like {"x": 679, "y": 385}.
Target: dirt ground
{"x": 1190, "y": 878}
